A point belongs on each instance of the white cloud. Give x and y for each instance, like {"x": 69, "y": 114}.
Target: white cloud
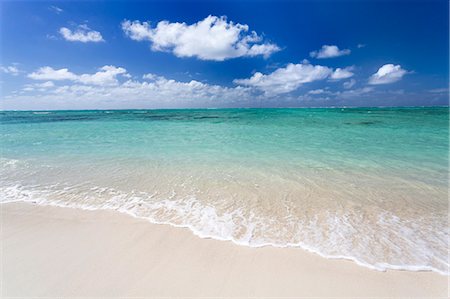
{"x": 55, "y": 9}
{"x": 46, "y": 84}
{"x": 138, "y": 31}
{"x": 111, "y": 87}
{"x": 106, "y": 75}
{"x": 329, "y": 51}
{"x": 82, "y": 34}
{"x": 386, "y": 74}
{"x": 287, "y": 79}
{"x": 12, "y": 70}
{"x": 213, "y": 38}
{"x": 38, "y": 86}
{"x": 340, "y": 74}
{"x": 349, "y": 84}
{"x": 346, "y": 94}
{"x": 83, "y": 91}
{"x": 354, "y": 92}
{"x": 48, "y": 73}
{"x": 359, "y": 46}
{"x": 151, "y": 77}
{"x": 318, "y": 91}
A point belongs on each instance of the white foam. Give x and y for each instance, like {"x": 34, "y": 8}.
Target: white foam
{"x": 4, "y": 162}
{"x": 42, "y": 112}
{"x": 206, "y": 222}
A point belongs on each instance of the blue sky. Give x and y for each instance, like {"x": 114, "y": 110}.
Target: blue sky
{"x": 148, "y": 54}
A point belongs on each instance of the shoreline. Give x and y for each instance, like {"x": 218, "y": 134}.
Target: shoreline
{"x": 385, "y": 267}
{"x": 55, "y": 251}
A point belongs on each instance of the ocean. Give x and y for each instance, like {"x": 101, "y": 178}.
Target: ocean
{"x": 365, "y": 184}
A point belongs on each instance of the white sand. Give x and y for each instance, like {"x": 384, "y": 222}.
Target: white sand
{"x": 62, "y": 252}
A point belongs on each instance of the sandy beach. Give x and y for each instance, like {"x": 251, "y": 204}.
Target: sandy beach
{"x": 63, "y": 252}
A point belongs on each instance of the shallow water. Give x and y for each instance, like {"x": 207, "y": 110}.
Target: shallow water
{"x": 364, "y": 184}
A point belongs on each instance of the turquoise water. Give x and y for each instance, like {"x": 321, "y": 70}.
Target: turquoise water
{"x": 366, "y": 184}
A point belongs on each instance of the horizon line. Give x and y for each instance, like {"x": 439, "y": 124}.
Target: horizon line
{"x": 226, "y": 108}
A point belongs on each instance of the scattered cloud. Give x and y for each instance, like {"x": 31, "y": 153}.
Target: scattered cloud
{"x": 344, "y": 73}
{"x": 112, "y": 87}
{"x": 386, "y": 74}
{"x": 318, "y": 91}
{"x": 106, "y": 75}
{"x": 151, "y": 77}
{"x": 48, "y": 73}
{"x": 354, "y": 92}
{"x": 12, "y": 70}
{"x": 55, "y": 9}
{"x": 82, "y": 34}
{"x": 359, "y": 46}
{"x": 349, "y": 84}
{"x": 287, "y": 79}
{"x": 214, "y": 38}
{"x": 46, "y": 84}
{"x": 329, "y": 51}
{"x": 345, "y": 94}
{"x": 104, "y": 90}
{"x": 38, "y": 86}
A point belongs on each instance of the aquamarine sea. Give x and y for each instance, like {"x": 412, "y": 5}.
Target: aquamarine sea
{"x": 365, "y": 184}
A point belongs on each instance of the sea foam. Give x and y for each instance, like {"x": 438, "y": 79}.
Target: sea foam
{"x": 241, "y": 229}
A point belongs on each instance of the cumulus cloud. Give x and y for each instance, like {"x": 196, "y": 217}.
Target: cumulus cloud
{"x": 12, "y": 70}
{"x": 340, "y": 74}
{"x": 82, "y": 34}
{"x": 329, "y": 51}
{"x": 287, "y": 79}
{"x": 106, "y": 75}
{"x": 214, "y": 38}
{"x": 48, "y": 73}
{"x": 84, "y": 91}
{"x": 386, "y": 74}
{"x": 111, "y": 87}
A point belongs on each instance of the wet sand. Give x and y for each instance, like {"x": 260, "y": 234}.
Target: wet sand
{"x": 63, "y": 252}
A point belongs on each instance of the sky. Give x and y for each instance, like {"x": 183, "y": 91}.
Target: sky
{"x": 223, "y": 54}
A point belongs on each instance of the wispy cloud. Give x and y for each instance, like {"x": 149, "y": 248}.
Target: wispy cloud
{"x": 55, "y": 9}
{"x": 11, "y": 69}
{"x": 349, "y": 84}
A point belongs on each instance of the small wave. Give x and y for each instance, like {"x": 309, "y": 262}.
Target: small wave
{"x": 6, "y": 163}
{"x": 41, "y": 112}
{"x": 202, "y": 220}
